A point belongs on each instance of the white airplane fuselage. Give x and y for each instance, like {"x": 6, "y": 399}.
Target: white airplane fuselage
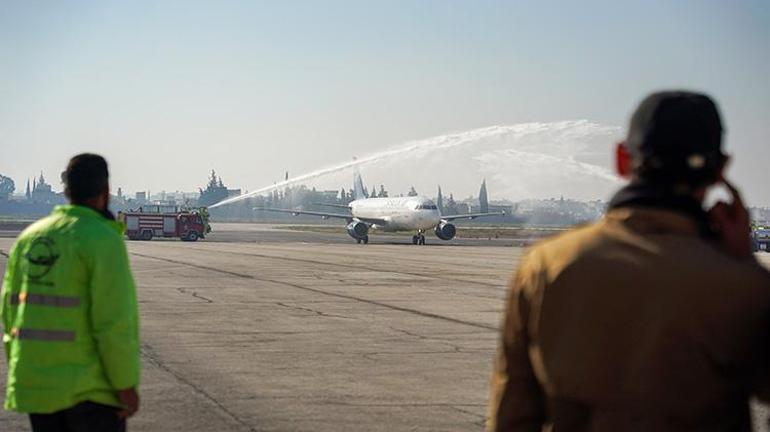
{"x": 399, "y": 213}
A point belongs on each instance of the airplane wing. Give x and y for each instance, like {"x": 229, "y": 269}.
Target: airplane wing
{"x": 344, "y": 206}
{"x": 471, "y": 216}
{"x": 325, "y": 215}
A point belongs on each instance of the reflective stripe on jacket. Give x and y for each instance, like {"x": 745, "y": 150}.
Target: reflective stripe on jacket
{"x": 69, "y": 313}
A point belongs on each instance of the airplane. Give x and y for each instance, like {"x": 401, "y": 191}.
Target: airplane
{"x": 415, "y": 213}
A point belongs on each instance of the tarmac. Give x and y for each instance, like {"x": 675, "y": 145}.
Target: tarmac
{"x": 257, "y": 328}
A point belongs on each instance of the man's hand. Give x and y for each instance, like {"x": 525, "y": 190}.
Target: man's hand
{"x": 129, "y": 398}
{"x": 732, "y": 223}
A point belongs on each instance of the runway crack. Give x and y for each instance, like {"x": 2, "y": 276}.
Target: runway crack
{"x": 359, "y": 267}
{"x": 481, "y": 419}
{"x": 327, "y": 293}
{"x": 372, "y": 355}
{"x": 456, "y": 348}
{"x": 195, "y": 294}
{"x": 317, "y": 312}
{"x": 148, "y": 353}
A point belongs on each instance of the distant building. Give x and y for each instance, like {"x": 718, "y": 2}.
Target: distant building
{"x": 42, "y": 192}
{"x": 141, "y": 197}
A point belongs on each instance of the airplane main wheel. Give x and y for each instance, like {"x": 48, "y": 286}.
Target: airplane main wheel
{"x": 358, "y": 240}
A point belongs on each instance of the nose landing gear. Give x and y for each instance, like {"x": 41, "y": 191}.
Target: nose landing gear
{"x": 419, "y": 238}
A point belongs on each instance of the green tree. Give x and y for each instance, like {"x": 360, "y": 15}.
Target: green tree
{"x": 7, "y": 186}
{"x": 483, "y": 198}
{"x": 215, "y": 191}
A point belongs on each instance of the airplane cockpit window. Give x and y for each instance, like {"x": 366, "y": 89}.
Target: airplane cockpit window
{"x": 426, "y": 207}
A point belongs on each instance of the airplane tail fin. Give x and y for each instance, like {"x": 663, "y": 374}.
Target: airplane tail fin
{"x": 358, "y": 187}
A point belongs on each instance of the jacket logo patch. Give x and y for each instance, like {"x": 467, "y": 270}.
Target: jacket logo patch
{"x": 42, "y": 255}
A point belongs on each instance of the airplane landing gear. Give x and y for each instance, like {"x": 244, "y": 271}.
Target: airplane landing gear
{"x": 419, "y": 238}
{"x": 364, "y": 240}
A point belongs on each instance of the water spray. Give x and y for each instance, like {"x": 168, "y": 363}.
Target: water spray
{"x": 567, "y": 131}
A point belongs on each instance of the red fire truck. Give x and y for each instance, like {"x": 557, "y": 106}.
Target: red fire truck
{"x": 147, "y": 222}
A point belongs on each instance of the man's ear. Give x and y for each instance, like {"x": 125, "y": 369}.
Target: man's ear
{"x": 623, "y": 160}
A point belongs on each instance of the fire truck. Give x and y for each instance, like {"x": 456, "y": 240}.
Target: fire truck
{"x": 151, "y": 221}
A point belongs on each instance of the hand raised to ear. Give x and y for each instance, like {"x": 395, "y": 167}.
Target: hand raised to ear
{"x": 732, "y": 223}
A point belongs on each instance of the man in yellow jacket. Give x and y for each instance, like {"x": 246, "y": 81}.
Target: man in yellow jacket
{"x": 655, "y": 318}
{"x": 69, "y": 313}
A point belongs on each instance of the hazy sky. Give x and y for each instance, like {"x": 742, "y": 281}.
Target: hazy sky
{"x": 169, "y": 90}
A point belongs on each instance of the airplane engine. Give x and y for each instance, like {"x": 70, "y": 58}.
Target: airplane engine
{"x": 358, "y": 230}
{"x": 445, "y": 231}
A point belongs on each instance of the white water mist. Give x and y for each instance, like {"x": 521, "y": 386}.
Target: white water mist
{"x": 528, "y": 160}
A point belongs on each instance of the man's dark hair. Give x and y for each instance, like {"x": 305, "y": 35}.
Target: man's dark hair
{"x": 675, "y": 137}
{"x": 86, "y": 177}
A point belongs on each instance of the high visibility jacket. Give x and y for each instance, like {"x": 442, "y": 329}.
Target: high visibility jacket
{"x": 69, "y": 313}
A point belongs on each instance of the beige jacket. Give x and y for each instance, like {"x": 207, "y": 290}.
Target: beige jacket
{"x": 634, "y": 323}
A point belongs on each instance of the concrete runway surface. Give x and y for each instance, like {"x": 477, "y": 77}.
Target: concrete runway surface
{"x": 262, "y": 329}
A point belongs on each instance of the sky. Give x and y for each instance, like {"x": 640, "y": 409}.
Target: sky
{"x": 169, "y": 90}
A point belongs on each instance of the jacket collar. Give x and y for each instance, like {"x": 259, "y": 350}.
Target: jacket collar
{"x": 650, "y": 208}
{"x": 647, "y": 220}
{"x": 83, "y": 211}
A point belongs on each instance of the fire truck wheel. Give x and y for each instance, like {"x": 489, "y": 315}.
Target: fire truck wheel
{"x": 192, "y": 236}
{"x": 147, "y": 235}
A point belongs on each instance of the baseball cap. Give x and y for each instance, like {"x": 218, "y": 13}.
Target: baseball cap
{"x": 676, "y": 137}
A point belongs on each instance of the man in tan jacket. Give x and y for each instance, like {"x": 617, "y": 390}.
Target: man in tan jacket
{"x": 655, "y": 318}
